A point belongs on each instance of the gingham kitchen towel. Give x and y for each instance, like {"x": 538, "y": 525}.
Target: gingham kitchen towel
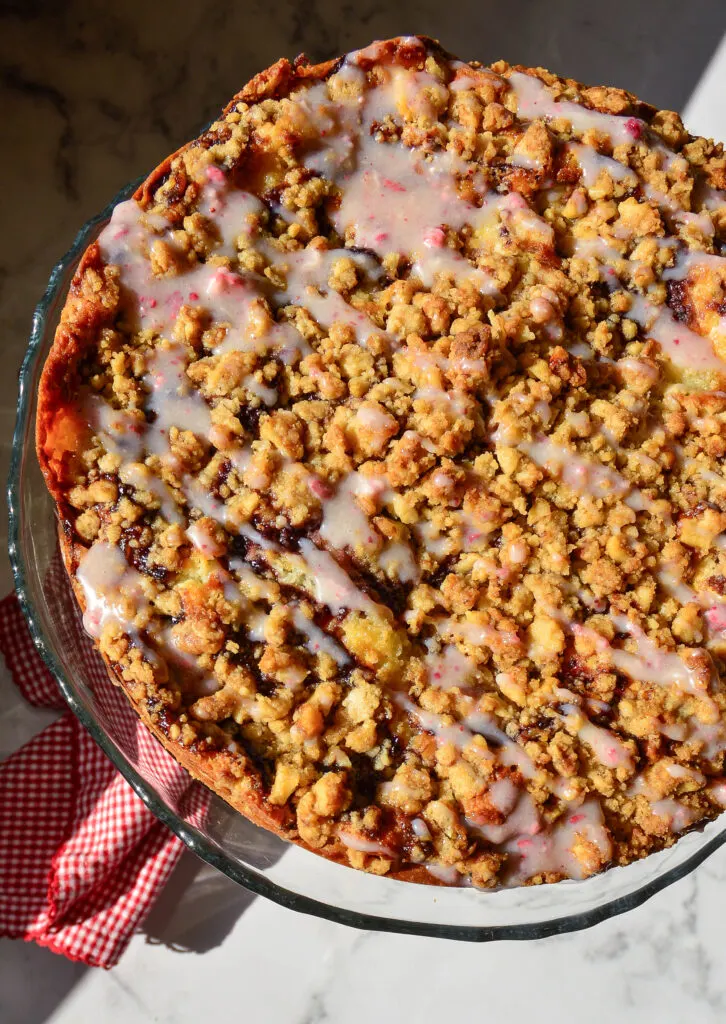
{"x": 81, "y": 857}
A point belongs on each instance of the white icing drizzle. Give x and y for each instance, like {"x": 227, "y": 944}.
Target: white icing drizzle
{"x": 534, "y": 850}
{"x": 184, "y": 666}
{"x": 398, "y": 560}
{"x": 449, "y": 668}
{"x": 317, "y": 640}
{"x": 137, "y": 475}
{"x": 523, "y": 821}
{"x": 230, "y": 209}
{"x": 695, "y": 466}
{"x": 230, "y": 588}
{"x": 650, "y": 663}
{"x": 112, "y": 589}
{"x": 593, "y": 164}
{"x": 585, "y": 476}
{"x": 176, "y": 404}
{"x": 229, "y": 297}
{"x": 363, "y": 845}
{"x": 609, "y": 750}
{"x": 394, "y": 199}
{"x": 345, "y": 524}
{"x": 714, "y": 605}
{"x": 432, "y": 539}
{"x": 478, "y": 634}
{"x": 509, "y": 752}
{"x": 534, "y": 100}
{"x": 679, "y": 343}
{"x": 153, "y": 302}
{"x": 683, "y": 346}
{"x": 461, "y": 734}
{"x": 256, "y": 585}
{"x": 679, "y": 816}
{"x": 173, "y": 400}
{"x": 444, "y": 873}
{"x": 503, "y": 794}
{"x": 235, "y": 300}
{"x": 457, "y": 734}
{"x": 333, "y": 586}
{"x": 203, "y": 541}
{"x": 121, "y": 431}
{"x": 581, "y": 349}
{"x": 458, "y": 402}
{"x": 554, "y": 850}
{"x": 307, "y": 273}
{"x": 420, "y": 829}
{"x": 717, "y": 790}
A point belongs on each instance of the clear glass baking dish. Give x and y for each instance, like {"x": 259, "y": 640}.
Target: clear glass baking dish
{"x": 254, "y": 858}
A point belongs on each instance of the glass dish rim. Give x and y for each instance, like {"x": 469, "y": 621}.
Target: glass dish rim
{"x": 197, "y": 843}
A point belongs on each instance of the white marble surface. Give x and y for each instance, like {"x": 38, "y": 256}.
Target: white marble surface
{"x": 104, "y": 102}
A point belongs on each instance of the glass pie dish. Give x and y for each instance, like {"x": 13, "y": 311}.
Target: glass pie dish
{"x": 256, "y": 859}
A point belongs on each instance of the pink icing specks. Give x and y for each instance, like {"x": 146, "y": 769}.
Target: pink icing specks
{"x": 634, "y": 127}
{"x": 216, "y": 175}
{"x": 93, "y": 621}
{"x": 716, "y": 617}
{"x": 204, "y": 541}
{"x": 319, "y": 489}
{"x": 174, "y": 303}
{"x": 434, "y": 238}
{"x": 513, "y": 201}
{"x": 223, "y": 281}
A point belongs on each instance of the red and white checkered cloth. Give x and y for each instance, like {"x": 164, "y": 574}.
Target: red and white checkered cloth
{"x": 81, "y": 857}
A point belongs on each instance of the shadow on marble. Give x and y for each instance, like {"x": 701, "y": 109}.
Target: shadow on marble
{"x": 195, "y": 912}
{"x": 197, "y": 909}
{"x": 34, "y": 982}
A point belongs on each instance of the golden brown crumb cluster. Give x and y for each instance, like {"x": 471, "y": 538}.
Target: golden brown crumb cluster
{"x": 388, "y": 426}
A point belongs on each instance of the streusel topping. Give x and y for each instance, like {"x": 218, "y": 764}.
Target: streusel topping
{"x": 403, "y": 476}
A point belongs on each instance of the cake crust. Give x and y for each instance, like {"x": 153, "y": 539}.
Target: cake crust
{"x": 385, "y": 426}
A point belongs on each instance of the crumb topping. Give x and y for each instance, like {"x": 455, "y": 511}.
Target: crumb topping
{"x": 402, "y": 475}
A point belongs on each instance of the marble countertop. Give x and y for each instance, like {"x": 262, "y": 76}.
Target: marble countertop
{"x": 92, "y": 96}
